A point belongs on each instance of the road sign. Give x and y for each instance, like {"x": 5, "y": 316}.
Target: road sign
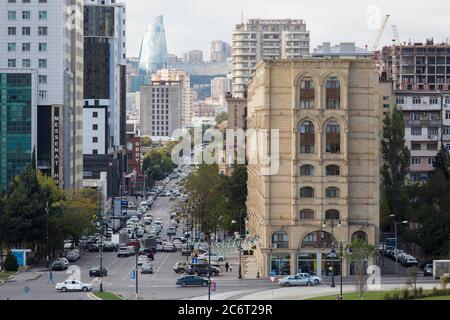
{"x": 194, "y": 260}
{"x": 272, "y": 279}
{"x": 133, "y": 275}
{"x": 124, "y": 203}
{"x": 213, "y": 286}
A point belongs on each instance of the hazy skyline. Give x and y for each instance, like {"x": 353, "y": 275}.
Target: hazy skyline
{"x": 193, "y": 24}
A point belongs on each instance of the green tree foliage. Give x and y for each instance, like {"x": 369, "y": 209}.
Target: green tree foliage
{"x": 158, "y": 163}
{"x": 396, "y": 162}
{"x": 146, "y": 141}
{"x": 221, "y": 117}
{"x": 11, "y": 264}
{"x": 235, "y": 189}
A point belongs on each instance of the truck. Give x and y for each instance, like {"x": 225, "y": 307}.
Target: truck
{"x": 119, "y": 238}
{"x": 150, "y": 243}
{"x": 440, "y": 268}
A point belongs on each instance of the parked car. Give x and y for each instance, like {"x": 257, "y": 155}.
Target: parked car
{"x": 297, "y": 280}
{"x": 428, "y": 270}
{"x": 192, "y": 281}
{"x": 171, "y": 231}
{"x": 131, "y": 250}
{"x": 410, "y": 261}
{"x": 73, "y": 255}
{"x": 214, "y": 257}
{"x": 59, "y": 266}
{"x": 63, "y": 260}
{"x": 73, "y": 285}
{"x": 169, "y": 247}
{"x": 123, "y": 252}
{"x": 202, "y": 269}
{"x": 93, "y": 248}
{"x": 180, "y": 267}
{"x": 108, "y": 247}
{"x": 98, "y": 272}
{"x": 147, "y": 268}
{"x": 315, "y": 279}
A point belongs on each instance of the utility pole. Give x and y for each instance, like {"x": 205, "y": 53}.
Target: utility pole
{"x": 240, "y": 244}
{"x": 209, "y": 267}
{"x": 47, "y": 245}
{"x": 137, "y": 273}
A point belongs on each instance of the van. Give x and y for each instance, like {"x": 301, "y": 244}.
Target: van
{"x": 159, "y": 245}
{"x": 171, "y": 231}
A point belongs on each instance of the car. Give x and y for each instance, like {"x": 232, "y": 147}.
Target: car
{"x": 147, "y": 252}
{"x": 73, "y": 255}
{"x": 93, "y": 248}
{"x": 147, "y": 268}
{"x": 315, "y": 279}
{"x": 73, "y": 285}
{"x": 171, "y": 231}
{"x": 169, "y": 247}
{"x": 98, "y": 272}
{"x": 428, "y": 270}
{"x": 202, "y": 269}
{"x": 63, "y": 260}
{"x": 180, "y": 266}
{"x": 214, "y": 256}
{"x": 177, "y": 243}
{"x": 410, "y": 261}
{"x": 59, "y": 266}
{"x": 142, "y": 260}
{"x": 192, "y": 281}
{"x": 296, "y": 280}
{"x": 107, "y": 247}
{"x": 123, "y": 252}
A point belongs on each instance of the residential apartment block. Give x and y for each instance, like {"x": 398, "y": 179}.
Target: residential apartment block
{"x": 326, "y": 190}
{"x": 265, "y": 39}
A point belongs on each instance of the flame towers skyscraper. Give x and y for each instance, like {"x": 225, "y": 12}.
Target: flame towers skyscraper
{"x": 153, "y": 55}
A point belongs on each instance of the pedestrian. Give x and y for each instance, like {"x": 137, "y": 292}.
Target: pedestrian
{"x": 50, "y": 278}
{"x": 227, "y": 266}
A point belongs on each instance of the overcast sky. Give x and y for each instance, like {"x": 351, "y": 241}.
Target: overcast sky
{"x": 193, "y": 24}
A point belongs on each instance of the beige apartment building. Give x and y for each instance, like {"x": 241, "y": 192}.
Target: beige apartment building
{"x": 326, "y": 191}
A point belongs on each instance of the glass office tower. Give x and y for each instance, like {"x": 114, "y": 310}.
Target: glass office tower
{"x": 153, "y": 54}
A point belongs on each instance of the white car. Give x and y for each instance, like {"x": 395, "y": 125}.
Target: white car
{"x": 63, "y": 260}
{"x": 143, "y": 260}
{"x": 168, "y": 247}
{"x": 214, "y": 257}
{"x": 314, "y": 279}
{"x": 73, "y": 285}
{"x": 177, "y": 243}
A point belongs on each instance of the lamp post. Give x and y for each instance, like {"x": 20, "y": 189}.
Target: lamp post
{"x": 396, "y": 240}
{"x": 47, "y": 243}
{"x": 240, "y": 243}
{"x": 333, "y": 251}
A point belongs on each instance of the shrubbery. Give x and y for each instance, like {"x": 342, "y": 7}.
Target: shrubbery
{"x": 11, "y": 264}
{"x": 405, "y": 294}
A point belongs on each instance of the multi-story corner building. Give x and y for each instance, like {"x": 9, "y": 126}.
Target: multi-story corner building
{"x": 220, "y": 87}
{"x": 237, "y": 113}
{"x": 193, "y": 56}
{"x": 104, "y": 76}
{"x": 265, "y": 39}
{"x": 41, "y": 47}
{"x": 326, "y": 189}
{"x": 161, "y": 103}
{"x": 184, "y": 78}
{"x": 219, "y": 51}
{"x": 420, "y": 73}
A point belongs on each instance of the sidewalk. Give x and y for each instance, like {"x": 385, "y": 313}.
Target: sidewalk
{"x": 25, "y": 276}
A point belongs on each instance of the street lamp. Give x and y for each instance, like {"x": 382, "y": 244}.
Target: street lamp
{"x": 396, "y": 241}
{"x": 47, "y": 246}
{"x": 240, "y": 243}
{"x": 333, "y": 251}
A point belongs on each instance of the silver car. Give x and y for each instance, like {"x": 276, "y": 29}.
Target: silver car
{"x": 297, "y": 280}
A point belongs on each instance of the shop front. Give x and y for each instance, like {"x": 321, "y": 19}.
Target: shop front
{"x": 318, "y": 263}
{"x": 280, "y": 264}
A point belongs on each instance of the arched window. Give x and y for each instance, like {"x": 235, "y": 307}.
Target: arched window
{"x": 333, "y": 93}
{"x": 333, "y": 138}
{"x": 333, "y": 170}
{"x": 332, "y": 192}
{"x": 306, "y": 170}
{"x": 318, "y": 239}
{"x": 306, "y": 214}
{"x": 307, "y": 94}
{"x": 307, "y": 192}
{"x": 360, "y": 235}
{"x": 332, "y": 215}
{"x": 307, "y": 137}
{"x": 280, "y": 240}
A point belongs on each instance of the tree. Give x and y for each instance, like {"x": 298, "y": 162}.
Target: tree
{"x": 411, "y": 280}
{"x": 396, "y": 162}
{"x": 235, "y": 189}
{"x": 11, "y": 264}
{"x": 158, "y": 163}
{"x": 441, "y": 162}
{"x": 359, "y": 253}
{"x": 221, "y": 117}
{"x": 146, "y": 141}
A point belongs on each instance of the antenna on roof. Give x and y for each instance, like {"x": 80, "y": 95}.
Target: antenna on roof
{"x": 242, "y": 16}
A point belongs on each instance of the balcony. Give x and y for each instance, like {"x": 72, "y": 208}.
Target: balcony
{"x": 423, "y": 123}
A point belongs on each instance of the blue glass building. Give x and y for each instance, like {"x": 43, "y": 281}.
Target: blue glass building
{"x": 153, "y": 55}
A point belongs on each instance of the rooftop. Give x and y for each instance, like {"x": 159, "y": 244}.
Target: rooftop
{"x": 342, "y": 49}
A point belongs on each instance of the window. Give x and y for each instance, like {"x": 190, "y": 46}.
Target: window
{"x": 433, "y": 131}
{"x": 94, "y": 151}
{"x": 333, "y": 93}
{"x": 26, "y": 31}
{"x": 43, "y": 63}
{"x": 95, "y": 115}
{"x": 431, "y": 161}
{"x": 306, "y": 170}
{"x": 11, "y": 31}
{"x": 307, "y": 137}
{"x": 42, "y": 31}
{"x": 432, "y": 146}
{"x": 306, "y": 214}
{"x": 42, "y": 94}
{"x": 332, "y": 192}
{"x": 417, "y": 100}
{"x": 11, "y": 47}
{"x": 434, "y": 101}
{"x": 400, "y": 100}
{"x": 307, "y": 192}
{"x": 42, "y": 47}
{"x": 95, "y": 139}
{"x": 11, "y": 63}
{"x": 42, "y": 15}
{"x": 280, "y": 240}
{"x": 332, "y": 215}
{"x": 26, "y": 63}
{"x": 416, "y": 131}
{"x": 95, "y": 127}
{"x": 11, "y": 15}
{"x": 447, "y": 130}
{"x": 333, "y": 170}
{"x": 333, "y": 138}
{"x": 42, "y": 79}
{"x": 26, "y": 15}
{"x": 415, "y": 146}
{"x": 447, "y": 115}
{"x": 26, "y": 47}
{"x": 307, "y": 94}
{"x": 416, "y": 161}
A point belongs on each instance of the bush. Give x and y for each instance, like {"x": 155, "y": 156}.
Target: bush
{"x": 405, "y": 294}
{"x": 444, "y": 281}
{"x": 420, "y": 293}
{"x": 11, "y": 264}
{"x": 395, "y": 295}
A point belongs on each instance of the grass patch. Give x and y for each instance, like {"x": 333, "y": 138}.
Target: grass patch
{"x": 378, "y": 295}
{"x": 436, "y": 298}
{"x": 4, "y": 275}
{"x": 107, "y": 296}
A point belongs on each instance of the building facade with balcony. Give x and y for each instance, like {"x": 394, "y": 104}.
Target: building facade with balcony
{"x": 326, "y": 188}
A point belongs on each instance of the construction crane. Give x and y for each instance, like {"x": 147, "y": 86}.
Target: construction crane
{"x": 395, "y": 42}
{"x": 376, "y": 50}
{"x": 396, "y": 38}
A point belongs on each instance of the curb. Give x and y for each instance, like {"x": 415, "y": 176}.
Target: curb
{"x": 33, "y": 279}
{"x": 93, "y": 296}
